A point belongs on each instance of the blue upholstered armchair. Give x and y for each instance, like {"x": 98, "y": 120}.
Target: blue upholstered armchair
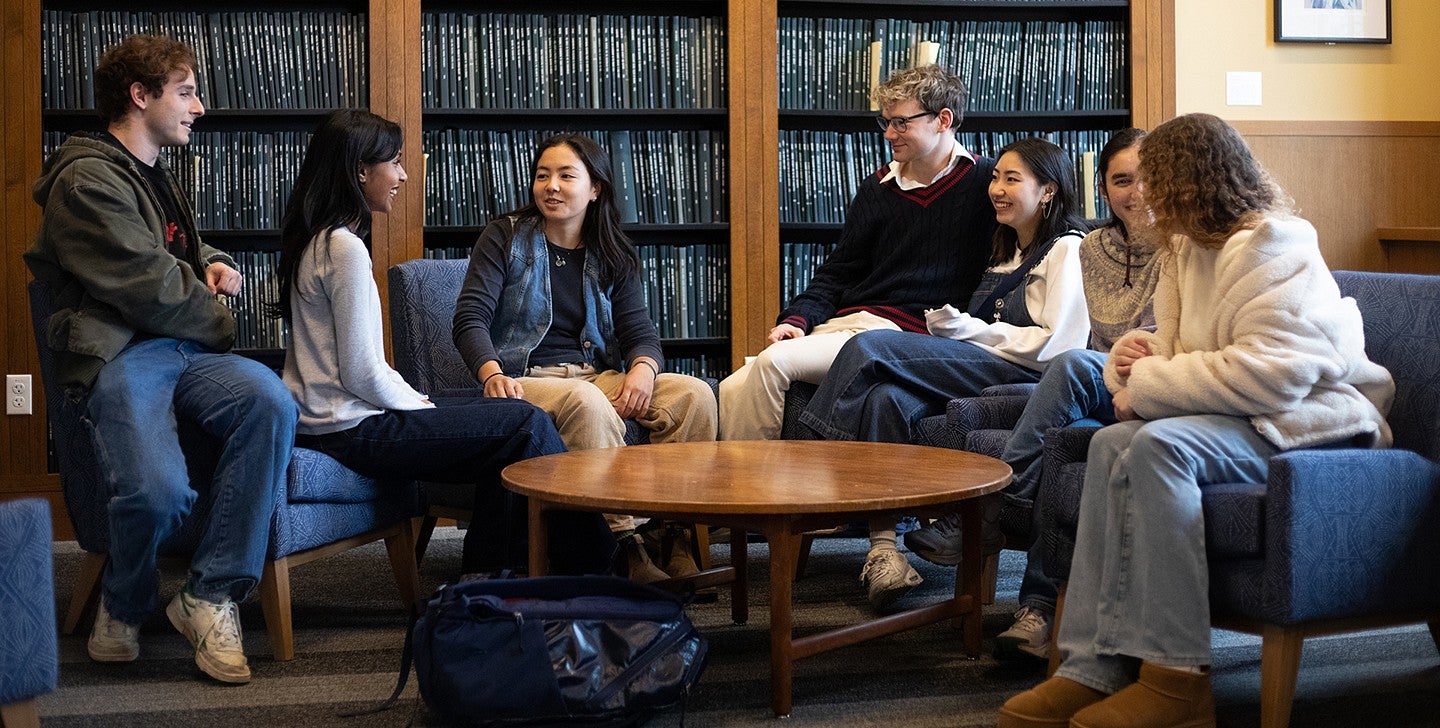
{"x": 1336, "y": 540}
{"x": 423, "y": 294}
{"x": 29, "y": 663}
{"x": 326, "y": 508}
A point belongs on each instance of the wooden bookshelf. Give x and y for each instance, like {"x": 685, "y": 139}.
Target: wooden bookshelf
{"x": 751, "y": 118}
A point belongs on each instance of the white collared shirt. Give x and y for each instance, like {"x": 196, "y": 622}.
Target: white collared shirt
{"x": 905, "y": 183}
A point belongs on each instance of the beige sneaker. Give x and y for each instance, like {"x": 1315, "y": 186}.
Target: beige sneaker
{"x": 214, "y": 631}
{"x": 112, "y": 640}
{"x": 888, "y": 576}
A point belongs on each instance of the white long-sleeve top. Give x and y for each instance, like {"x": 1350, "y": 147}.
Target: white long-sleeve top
{"x": 335, "y": 361}
{"x": 1055, "y": 300}
{"x": 1258, "y": 329}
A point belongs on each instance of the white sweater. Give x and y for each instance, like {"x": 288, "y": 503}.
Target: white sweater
{"x": 1055, "y": 300}
{"x": 335, "y": 361}
{"x": 1258, "y": 329}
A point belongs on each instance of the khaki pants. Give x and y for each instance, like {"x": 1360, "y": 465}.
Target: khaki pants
{"x": 682, "y": 409}
{"x": 752, "y": 400}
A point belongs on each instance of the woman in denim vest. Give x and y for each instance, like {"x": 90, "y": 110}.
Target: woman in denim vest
{"x": 1029, "y": 307}
{"x": 552, "y": 311}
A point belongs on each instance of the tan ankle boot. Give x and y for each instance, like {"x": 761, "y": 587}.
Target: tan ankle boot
{"x": 1048, "y": 705}
{"x": 633, "y": 562}
{"x": 1161, "y": 698}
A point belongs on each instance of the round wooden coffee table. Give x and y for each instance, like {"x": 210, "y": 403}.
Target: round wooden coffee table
{"x": 779, "y": 489}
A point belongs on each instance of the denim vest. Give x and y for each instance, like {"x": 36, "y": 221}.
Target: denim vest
{"x": 524, "y": 312}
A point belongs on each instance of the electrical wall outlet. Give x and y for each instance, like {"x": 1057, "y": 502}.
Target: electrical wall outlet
{"x": 17, "y": 394}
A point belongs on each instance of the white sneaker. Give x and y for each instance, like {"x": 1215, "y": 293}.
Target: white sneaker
{"x": 112, "y": 640}
{"x": 1029, "y": 634}
{"x": 214, "y": 631}
{"x": 888, "y": 576}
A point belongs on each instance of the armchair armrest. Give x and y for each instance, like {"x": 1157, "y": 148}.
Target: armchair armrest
{"x": 1351, "y": 532}
{"x": 965, "y": 414}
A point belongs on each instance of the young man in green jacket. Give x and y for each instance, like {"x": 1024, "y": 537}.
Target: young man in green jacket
{"x": 140, "y": 346}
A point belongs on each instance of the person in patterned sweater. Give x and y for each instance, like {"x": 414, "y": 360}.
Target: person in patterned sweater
{"x": 916, "y": 235}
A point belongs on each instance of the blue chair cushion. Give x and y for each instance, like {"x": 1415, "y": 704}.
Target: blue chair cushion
{"x": 29, "y": 662}
{"x": 315, "y": 477}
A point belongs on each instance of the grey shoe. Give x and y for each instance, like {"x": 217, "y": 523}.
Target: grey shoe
{"x": 1029, "y": 634}
{"x": 112, "y": 640}
{"x": 214, "y": 631}
{"x": 888, "y": 576}
{"x": 940, "y": 544}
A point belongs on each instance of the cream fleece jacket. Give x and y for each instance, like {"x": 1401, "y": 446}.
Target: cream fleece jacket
{"x": 1258, "y": 329}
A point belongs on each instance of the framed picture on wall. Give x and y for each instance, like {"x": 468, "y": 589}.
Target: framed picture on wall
{"x": 1332, "y": 21}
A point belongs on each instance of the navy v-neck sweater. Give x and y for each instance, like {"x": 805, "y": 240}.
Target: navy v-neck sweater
{"x": 902, "y": 252}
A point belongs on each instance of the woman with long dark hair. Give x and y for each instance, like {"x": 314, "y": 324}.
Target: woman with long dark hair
{"x": 353, "y": 406}
{"x": 552, "y": 311}
{"x": 1121, "y": 269}
{"x": 1029, "y": 307}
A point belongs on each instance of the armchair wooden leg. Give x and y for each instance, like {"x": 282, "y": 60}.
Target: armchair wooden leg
{"x": 1280, "y": 650}
{"x": 806, "y": 541}
{"x": 403, "y": 562}
{"x": 702, "y": 546}
{"x": 1435, "y": 631}
{"x": 86, "y": 591}
{"x": 422, "y": 536}
{"x": 275, "y": 602}
{"x": 21, "y": 714}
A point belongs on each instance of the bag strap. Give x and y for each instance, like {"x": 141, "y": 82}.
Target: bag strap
{"x": 406, "y": 657}
{"x": 987, "y": 312}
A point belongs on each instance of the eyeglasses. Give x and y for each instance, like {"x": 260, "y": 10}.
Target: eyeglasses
{"x": 901, "y": 123}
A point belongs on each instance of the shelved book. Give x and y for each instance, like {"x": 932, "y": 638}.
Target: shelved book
{"x": 313, "y": 59}
{"x": 798, "y": 262}
{"x": 569, "y": 61}
{"x": 1007, "y": 65}
{"x": 820, "y": 171}
{"x": 661, "y": 176}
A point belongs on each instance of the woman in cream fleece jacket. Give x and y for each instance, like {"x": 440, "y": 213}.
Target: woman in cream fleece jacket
{"x": 1254, "y": 353}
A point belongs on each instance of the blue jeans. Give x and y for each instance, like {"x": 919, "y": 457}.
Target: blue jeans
{"x": 883, "y": 382}
{"x": 1071, "y": 392}
{"x": 1139, "y": 585}
{"x": 470, "y": 440}
{"x": 135, "y": 410}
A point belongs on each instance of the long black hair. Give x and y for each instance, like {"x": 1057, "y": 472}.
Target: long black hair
{"x": 327, "y": 192}
{"x": 1122, "y": 140}
{"x": 600, "y": 231}
{"x": 1050, "y": 165}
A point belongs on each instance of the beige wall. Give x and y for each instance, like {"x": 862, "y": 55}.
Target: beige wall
{"x": 1310, "y": 81}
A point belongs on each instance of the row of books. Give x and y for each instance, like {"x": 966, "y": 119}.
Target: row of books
{"x": 820, "y": 171}
{"x": 473, "y": 175}
{"x": 247, "y": 60}
{"x": 687, "y": 287}
{"x": 715, "y": 366}
{"x": 798, "y": 262}
{"x": 532, "y": 61}
{"x": 253, "y": 328}
{"x": 833, "y": 63}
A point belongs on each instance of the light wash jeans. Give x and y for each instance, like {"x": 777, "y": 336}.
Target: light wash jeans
{"x": 1071, "y": 392}
{"x": 134, "y": 411}
{"x": 1139, "y": 588}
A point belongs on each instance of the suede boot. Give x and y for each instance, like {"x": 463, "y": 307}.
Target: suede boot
{"x": 633, "y": 562}
{"x": 1161, "y": 698}
{"x": 1048, "y": 705}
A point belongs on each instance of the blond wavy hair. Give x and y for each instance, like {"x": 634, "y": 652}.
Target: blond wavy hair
{"x": 1202, "y": 182}
{"x": 931, "y": 86}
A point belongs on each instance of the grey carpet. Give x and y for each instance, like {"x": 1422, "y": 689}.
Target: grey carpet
{"x": 349, "y": 630}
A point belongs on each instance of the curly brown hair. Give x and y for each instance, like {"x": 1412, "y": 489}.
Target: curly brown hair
{"x": 931, "y": 86}
{"x": 1201, "y": 180}
{"x": 148, "y": 60}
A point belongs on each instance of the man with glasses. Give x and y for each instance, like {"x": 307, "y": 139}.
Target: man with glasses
{"x": 917, "y": 236}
